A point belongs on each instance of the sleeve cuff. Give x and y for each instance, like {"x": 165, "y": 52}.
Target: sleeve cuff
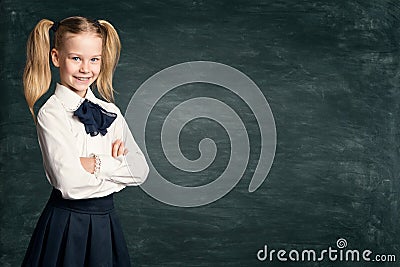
{"x": 107, "y": 166}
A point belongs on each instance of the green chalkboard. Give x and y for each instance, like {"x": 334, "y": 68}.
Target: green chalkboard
{"x": 330, "y": 73}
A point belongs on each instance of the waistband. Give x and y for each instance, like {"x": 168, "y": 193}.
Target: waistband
{"x": 90, "y": 205}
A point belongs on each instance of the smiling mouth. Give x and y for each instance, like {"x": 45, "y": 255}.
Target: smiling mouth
{"x": 83, "y": 78}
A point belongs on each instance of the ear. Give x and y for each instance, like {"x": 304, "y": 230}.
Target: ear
{"x": 55, "y": 57}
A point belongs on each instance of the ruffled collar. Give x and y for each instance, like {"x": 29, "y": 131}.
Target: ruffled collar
{"x": 71, "y": 100}
{"x": 95, "y": 118}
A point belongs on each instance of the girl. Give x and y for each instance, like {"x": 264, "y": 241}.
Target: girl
{"x": 88, "y": 151}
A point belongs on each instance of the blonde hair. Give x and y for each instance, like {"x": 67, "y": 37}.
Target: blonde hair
{"x": 37, "y": 73}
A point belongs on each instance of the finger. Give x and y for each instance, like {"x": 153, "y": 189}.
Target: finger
{"x": 115, "y": 147}
{"x": 121, "y": 149}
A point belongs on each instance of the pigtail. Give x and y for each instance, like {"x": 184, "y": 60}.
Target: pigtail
{"x": 37, "y": 73}
{"x": 109, "y": 61}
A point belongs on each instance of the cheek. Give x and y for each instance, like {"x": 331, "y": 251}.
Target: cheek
{"x": 96, "y": 69}
{"x": 66, "y": 68}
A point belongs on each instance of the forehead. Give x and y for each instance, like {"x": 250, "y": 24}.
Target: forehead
{"x": 85, "y": 43}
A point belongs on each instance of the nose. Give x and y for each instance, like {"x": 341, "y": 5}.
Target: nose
{"x": 84, "y": 67}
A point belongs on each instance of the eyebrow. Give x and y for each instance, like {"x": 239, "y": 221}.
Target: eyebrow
{"x": 77, "y": 54}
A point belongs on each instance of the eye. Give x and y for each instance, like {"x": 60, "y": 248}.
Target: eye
{"x": 76, "y": 58}
{"x": 95, "y": 59}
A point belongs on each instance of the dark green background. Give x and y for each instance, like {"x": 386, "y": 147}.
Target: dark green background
{"x": 330, "y": 72}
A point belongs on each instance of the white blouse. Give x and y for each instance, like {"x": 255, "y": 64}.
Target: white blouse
{"x": 63, "y": 140}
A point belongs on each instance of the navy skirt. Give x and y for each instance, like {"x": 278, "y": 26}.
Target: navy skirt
{"x": 84, "y": 232}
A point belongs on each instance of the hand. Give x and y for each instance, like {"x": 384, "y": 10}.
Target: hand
{"x": 88, "y": 164}
{"x": 118, "y": 148}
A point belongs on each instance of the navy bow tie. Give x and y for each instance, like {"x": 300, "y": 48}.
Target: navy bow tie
{"x": 95, "y": 118}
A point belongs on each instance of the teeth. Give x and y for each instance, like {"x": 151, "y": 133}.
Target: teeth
{"x": 82, "y": 78}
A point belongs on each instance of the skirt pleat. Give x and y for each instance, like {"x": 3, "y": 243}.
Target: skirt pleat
{"x": 101, "y": 248}
{"x": 77, "y": 233}
{"x": 76, "y": 240}
{"x": 118, "y": 241}
{"x": 55, "y": 233}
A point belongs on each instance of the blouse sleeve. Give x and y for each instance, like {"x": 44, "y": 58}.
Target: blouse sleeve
{"x": 130, "y": 169}
{"x": 62, "y": 161}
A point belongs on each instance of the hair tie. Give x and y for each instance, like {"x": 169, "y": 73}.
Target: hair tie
{"x": 55, "y": 26}
{"x": 97, "y": 23}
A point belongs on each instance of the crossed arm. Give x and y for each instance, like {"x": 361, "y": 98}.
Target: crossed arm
{"x": 74, "y": 175}
{"x": 117, "y": 149}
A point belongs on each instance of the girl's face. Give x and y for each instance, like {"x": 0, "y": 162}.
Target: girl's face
{"x": 79, "y": 60}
